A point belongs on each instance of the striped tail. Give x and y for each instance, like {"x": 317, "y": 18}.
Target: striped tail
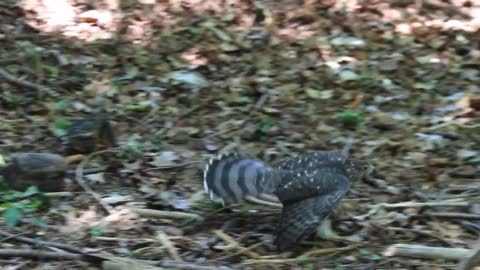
{"x": 231, "y": 178}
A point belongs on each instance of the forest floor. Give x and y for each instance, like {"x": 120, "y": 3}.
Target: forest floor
{"x": 184, "y": 80}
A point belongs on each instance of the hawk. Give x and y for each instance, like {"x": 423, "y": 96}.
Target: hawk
{"x": 309, "y": 186}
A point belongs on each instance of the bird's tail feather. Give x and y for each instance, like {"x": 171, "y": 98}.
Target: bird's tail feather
{"x": 230, "y": 178}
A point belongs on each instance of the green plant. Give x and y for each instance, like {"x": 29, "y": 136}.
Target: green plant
{"x": 133, "y": 149}
{"x": 17, "y": 204}
{"x": 350, "y": 118}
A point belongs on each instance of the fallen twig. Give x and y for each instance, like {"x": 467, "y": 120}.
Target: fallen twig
{"x": 165, "y": 214}
{"x": 422, "y": 204}
{"x": 453, "y": 123}
{"x": 452, "y": 215}
{"x": 229, "y": 240}
{"x": 420, "y": 232}
{"x": 472, "y": 261}
{"x": 122, "y": 265}
{"x": 240, "y": 251}
{"x": 40, "y": 242}
{"x": 83, "y": 184}
{"x": 427, "y": 252}
{"x": 170, "y": 166}
{"x": 263, "y": 202}
{"x": 323, "y": 251}
{"x": 59, "y": 194}
{"x": 24, "y": 84}
{"x": 275, "y": 261}
{"x": 38, "y": 255}
{"x": 184, "y": 265}
{"x": 269, "y": 197}
{"x": 172, "y": 250}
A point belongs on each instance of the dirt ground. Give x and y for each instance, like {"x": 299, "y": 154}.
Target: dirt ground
{"x": 184, "y": 80}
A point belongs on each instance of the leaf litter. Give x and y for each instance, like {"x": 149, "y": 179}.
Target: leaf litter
{"x": 184, "y": 81}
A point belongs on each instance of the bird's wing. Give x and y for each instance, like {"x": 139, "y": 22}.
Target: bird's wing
{"x": 302, "y": 184}
{"x": 301, "y": 218}
{"x": 311, "y": 160}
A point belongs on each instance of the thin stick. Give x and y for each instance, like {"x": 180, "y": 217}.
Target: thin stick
{"x": 83, "y": 184}
{"x": 240, "y": 252}
{"x": 472, "y": 261}
{"x": 165, "y": 214}
{"x": 229, "y": 240}
{"x": 170, "y": 166}
{"x": 59, "y": 194}
{"x": 40, "y": 242}
{"x": 183, "y": 265}
{"x": 123, "y": 265}
{"x": 453, "y": 123}
{"x": 427, "y": 252}
{"x": 269, "y": 197}
{"x": 22, "y": 83}
{"x": 262, "y": 202}
{"x": 38, "y": 255}
{"x": 272, "y": 261}
{"x": 453, "y": 215}
{"x": 422, "y": 204}
{"x": 421, "y": 232}
{"x": 172, "y": 250}
{"x": 322, "y": 251}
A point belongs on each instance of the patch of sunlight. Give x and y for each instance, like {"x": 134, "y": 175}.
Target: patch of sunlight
{"x": 50, "y": 15}
{"x": 471, "y": 25}
{"x": 194, "y": 57}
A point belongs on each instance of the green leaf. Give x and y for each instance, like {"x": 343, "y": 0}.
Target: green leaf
{"x": 54, "y": 71}
{"x": 62, "y": 105}
{"x": 61, "y": 123}
{"x": 95, "y": 231}
{"x": 12, "y": 215}
{"x": 60, "y": 126}
{"x": 473, "y": 160}
{"x": 264, "y": 126}
{"x": 32, "y": 190}
{"x": 350, "y": 118}
{"x": 302, "y": 258}
{"x": 142, "y": 106}
{"x": 37, "y": 204}
{"x": 239, "y": 101}
{"x": 194, "y": 30}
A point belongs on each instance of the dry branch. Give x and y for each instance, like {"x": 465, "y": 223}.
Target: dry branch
{"x": 427, "y": 252}
{"x": 40, "y": 242}
{"x": 263, "y": 202}
{"x": 229, "y": 240}
{"x": 472, "y": 261}
{"x": 165, "y": 214}
{"x": 322, "y": 251}
{"x": 23, "y": 84}
{"x": 169, "y": 246}
{"x": 38, "y": 255}
{"x": 121, "y": 265}
{"x": 83, "y": 184}
{"x": 454, "y": 215}
{"x": 422, "y": 204}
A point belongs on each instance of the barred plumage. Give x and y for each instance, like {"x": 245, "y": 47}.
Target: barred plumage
{"x": 309, "y": 186}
